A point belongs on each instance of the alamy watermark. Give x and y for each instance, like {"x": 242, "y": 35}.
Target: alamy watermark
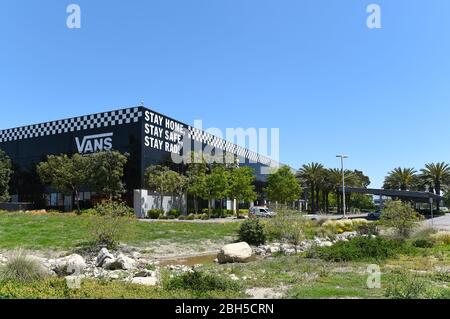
{"x": 374, "y": 277}
{"x": 374, "y": 19}
{"x": 74, "y": 19}
{"x": 236, "y": 146}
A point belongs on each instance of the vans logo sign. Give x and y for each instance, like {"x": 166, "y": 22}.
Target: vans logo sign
{"x": 94, "y": 143}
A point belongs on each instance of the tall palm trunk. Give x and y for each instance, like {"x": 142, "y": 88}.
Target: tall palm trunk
{"x": 438, "y": 193}
{"x": 317, "y": 198}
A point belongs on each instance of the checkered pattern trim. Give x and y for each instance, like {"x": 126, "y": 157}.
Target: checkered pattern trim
{"x": 106, "y": 119}
{"x": 217, "y": 142}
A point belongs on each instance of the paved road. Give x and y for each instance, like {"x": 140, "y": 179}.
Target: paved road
{"x": 440, "y": 223}
{"x": 323, "y": 216}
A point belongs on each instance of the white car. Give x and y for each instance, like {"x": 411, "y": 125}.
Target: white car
{"x": 261, "y": 212}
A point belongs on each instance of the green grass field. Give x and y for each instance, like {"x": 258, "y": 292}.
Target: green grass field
{"x": 60, "y": 231}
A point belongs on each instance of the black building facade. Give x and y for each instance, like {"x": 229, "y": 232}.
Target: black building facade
{"x": 147, "y": 136}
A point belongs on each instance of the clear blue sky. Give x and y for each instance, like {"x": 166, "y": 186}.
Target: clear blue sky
{"x": 311, "y": 68}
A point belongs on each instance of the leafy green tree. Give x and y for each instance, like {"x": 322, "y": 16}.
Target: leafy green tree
{"x": 400, "y": 216}
{"x": 401, "y": 179}
{"x": 160, "y": 180}
{"x": 106, "y": 170}
{"x": 196, "y": 175}
{"x": 436, "y": 175}
{"x": 5, "y": 176}
{"x": 241, "y": 185}
{"x": 175, "y": 184}
{"x": 447, "y": 198}
{"x": 362, "y": 201}
{"x": 65, "y": 174}
{"x": 180, "y": 188}
{"x": 283, "y": 186}
{"x": 217, "y": 184}
{"x": 354, "y": 179}
{"x": 361, "y": 180}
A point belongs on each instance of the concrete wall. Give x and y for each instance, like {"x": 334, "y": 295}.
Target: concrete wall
{"x": 145, "y": 200}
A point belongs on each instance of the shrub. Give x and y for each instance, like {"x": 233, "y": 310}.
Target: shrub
{"x": 229, "y": 213}
{"x": 155, "y": 213}
{"x": 339, "y": 226}
{"x": 89, "y": 211}
{"x": 204, "y": 216}
{"x": 441, "y": 237}
{"x": 252, "y": 232}
{"x": 110, "y": 223}
{"x": 217, "y": 213}
{"x": 21, "y": 268}
{"x": 243, "y": 212}
{"x": 199, "y": 281}
{"x": 423, "y": 243}
{"x": 401, "y": 216}
{"x": 205, "y": 211}
{"x": 174, "y": 213}
{"x": 290, "y": 228}
{"x": 361, "y": 248}
{"x": 358, "y": 222}
{"x": 118, "y": 208}
{"x": 369, "y": 229}
{"x": 411, "y": 286}
{"x": 190, "y": 217}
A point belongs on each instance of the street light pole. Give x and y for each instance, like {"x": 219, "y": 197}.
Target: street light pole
{"x": 342, "y": 157}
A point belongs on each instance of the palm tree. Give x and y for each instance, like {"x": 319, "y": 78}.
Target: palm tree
{"x": 401, "y": 179}
{"x": 436, "y": 175}
{"x": 311, "y": 176}
{"x": 334, "y": 181}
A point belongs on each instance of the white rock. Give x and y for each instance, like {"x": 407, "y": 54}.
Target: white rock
{"x": 274, "y": 249}
{"x": 145, "y": 281}
{"x": 117, "y": 274}
{"x": 136, "y": 255}
{"x": 234, "y": 277}
{"x": 74, "y": 282}
{"x": 73, "y": 264}
{"x": 145, "y": 273}
{"x": 122, "y": 262}
{"x": 260, "y": 251}
{"x": 239, "y": 252}
{"x": 102, "y": 257}
{"x": 289, "y": 251}
{"x": 326, "y": 244}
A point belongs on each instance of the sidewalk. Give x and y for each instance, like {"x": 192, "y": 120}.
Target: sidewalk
{"x": 439, "y": 223}
{"x": 340, "y": 216}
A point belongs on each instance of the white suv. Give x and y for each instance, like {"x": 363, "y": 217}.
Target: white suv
{"x": 261, "y": 212}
